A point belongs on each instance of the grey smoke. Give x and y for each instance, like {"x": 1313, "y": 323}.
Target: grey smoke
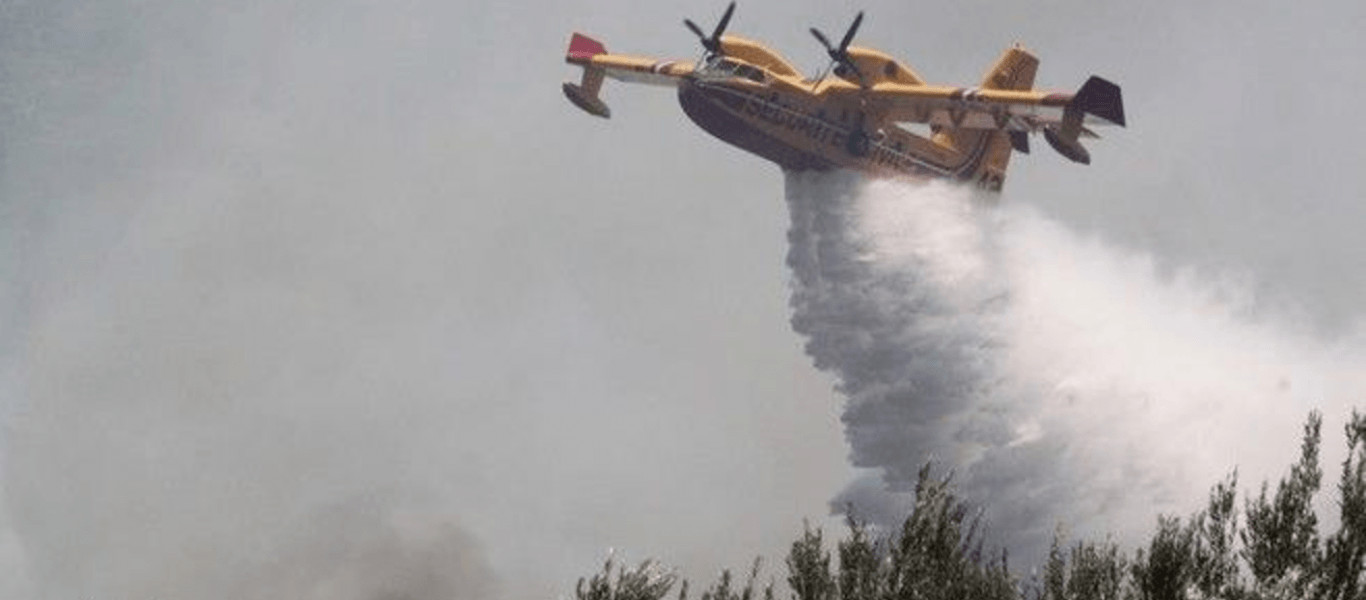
{"x": 203, "y": 418}
{"x": 1061, "y": 379}
{"x": 299, "y": 289}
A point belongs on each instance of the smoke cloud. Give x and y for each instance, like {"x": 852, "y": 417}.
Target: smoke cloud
{"x": 1062, "y": 379}
{"x": 304, "y": 299}
{"x": 200, "y": 425}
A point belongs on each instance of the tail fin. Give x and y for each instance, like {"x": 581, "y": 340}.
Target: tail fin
{"x": 584, "y": 95}
{"x": 1014, "y": 70}
{"x": 1097, "y": 97}
{"x": 1101, "y": 98}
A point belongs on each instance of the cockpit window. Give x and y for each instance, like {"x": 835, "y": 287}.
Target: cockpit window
{"x": 724, "y": 68}
{"x": 749, "y": 72}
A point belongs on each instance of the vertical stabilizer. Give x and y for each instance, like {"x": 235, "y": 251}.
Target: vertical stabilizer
{"x": 1014, "y": 70}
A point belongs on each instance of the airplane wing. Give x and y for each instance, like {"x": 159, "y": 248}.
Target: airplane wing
{"x": 1062, "y": 117}
{"x": 1097, "y": 103}
{"x": 590, "y": 54}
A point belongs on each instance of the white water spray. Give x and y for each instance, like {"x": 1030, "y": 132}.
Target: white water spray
{"x": 1062, "y": 379}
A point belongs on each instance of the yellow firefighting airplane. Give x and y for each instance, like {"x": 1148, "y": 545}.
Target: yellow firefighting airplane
{"x": 749, "y": 96}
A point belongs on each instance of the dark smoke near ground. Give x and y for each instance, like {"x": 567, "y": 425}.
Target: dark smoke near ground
{"x": 193, "y": 430}
{"x": 1061, "y": 380}
{"x": 210, "y": 327}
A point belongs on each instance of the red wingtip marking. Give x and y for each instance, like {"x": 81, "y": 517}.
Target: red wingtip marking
{"x": 582, "y": 47}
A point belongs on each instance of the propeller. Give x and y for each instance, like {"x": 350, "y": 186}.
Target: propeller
{"x": 840, "y": 55}
{"x": 713, "y": 43}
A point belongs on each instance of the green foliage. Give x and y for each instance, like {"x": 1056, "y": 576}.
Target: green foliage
{"x": 648, "y": 581}
{"x": 939, "y": 553}
{"x": 721, "y": 590}
{"x": 1345, "y": 551}
{"x": 936, "y": 555}
{"x": 1096, "y": 571}
{"x": 1274, "y": 553}
{"x": 808, "y": 567}
{"x": 861, "y": 575}
{"x": 1167, "y": 569}
{"x": 1215, "y": 533}
{"x": 1055, "y": 570}
{"x": 1280, "y": 542}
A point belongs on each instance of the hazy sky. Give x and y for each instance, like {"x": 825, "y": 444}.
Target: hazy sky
{"x": 272, "y": 267}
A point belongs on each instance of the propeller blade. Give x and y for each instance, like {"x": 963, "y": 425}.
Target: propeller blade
{"x": 849, "y": 35}
{"x": 695, "y": 29}
{"x": 820, "y": 37}
{"x": 721, "y": 27}
{"x": 713, "y": 43}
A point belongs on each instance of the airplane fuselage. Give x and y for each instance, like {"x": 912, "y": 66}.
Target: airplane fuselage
{"x": 798, "y": 130}
{"x": 869, "y": 112}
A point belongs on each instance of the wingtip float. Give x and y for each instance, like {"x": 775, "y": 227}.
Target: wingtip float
{"x": 858, "y": 113}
